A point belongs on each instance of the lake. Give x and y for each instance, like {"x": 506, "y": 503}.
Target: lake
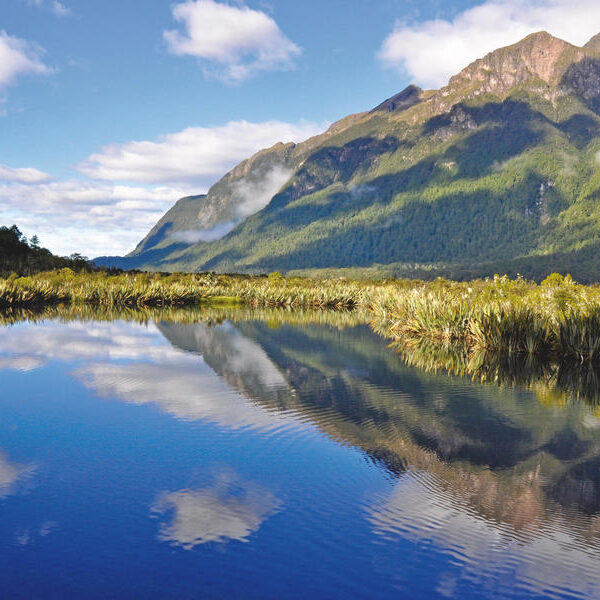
{"x": 265, "y": 454}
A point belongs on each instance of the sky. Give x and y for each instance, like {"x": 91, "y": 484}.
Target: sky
{"x": 111, "y": 110}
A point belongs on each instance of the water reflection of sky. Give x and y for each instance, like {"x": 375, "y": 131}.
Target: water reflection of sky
{"x": 189, "y": 449}
{"x": 136, "y": 364}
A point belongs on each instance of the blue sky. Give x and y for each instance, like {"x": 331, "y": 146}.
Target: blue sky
{"x": 111, "y": 110}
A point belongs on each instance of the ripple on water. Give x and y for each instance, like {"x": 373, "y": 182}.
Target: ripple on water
{"x": 554, "y": 558}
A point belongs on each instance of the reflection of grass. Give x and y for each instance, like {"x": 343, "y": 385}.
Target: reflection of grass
{"x": 206, "y": 313}
{"x": 496, "y": 329}
{"x": 554, "y": 381}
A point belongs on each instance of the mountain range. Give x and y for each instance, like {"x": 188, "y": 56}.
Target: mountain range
{"x": 497, "y": 172}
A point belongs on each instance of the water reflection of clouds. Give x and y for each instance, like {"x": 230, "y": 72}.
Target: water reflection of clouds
{"x": 183, "y": 390}
{"x": 135, "y": 364}
{"x": 32, "y": 346}
{"x": 21, "y": 363}
{"x": 230, "y": 509}
{"x": 236, "y": 355}
{"x": 12, "y": 475}
{"x": 546, "y": 558}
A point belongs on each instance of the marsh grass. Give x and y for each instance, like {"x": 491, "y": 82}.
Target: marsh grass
{"x": 506, "y": 332}
{"x": 151, "y": 289}
{"x": 557, "y": 320}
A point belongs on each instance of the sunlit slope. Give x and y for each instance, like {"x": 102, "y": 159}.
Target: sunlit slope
{"x": 498, "y": 171}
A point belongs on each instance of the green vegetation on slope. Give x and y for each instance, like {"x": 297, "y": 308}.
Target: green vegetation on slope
{"x": 477, "y": 178}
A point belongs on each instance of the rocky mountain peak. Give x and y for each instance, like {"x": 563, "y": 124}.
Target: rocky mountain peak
{"x": 538, "y": 56}
{"x": 405, "y": 99}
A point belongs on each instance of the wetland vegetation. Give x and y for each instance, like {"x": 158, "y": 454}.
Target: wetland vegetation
{"x": 510, "y": 331}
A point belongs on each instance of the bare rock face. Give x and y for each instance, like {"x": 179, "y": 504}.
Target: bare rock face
{"x": 550, "y": 67}
{"x": 539, "y": 55}
{"x": 459, "y": 120}
{"x": 583, "y": 78}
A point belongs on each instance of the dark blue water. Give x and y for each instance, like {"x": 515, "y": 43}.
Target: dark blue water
{"x": 264, "y": 459}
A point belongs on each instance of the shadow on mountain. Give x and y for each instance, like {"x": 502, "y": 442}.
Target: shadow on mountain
{"x": 583, "y": 78}
{"x": 483, "y": 225}
{"x": 501, "y": 131}
{"x": 457, "y": 227}
{"x": 581, "y": 130}
{"x": 157, "y": 257}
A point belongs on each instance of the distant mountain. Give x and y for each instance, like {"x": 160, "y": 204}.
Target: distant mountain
{"x": 499, "y": 171}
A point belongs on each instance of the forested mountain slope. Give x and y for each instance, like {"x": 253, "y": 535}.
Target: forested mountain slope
{"x": 497, "y": 172}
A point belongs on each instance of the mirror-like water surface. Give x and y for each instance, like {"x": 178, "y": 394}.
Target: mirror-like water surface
{"x": 261, "y": 456}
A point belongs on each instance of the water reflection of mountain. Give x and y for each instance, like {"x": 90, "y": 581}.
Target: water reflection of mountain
{"x": 512, "y": 458}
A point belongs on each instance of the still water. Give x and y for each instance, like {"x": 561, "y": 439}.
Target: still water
{"x": 259, "y": 455}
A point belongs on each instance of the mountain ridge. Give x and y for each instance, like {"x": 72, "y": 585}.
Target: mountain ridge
{"x": 492, "y": 168}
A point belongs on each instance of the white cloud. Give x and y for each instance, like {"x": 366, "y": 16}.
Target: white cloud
{"x": 19, "y": 57}
{"x": 198, "y": 155}
{"x": 234, "y": 42}
{"x": 60, "y": 9}
{"x": 91, "y": 218}
{"x": 248, "y": 196}
{"x": 432, "y": 51}
{"x": 104, "y": 218}
{"x": 27, "y": 175}
{"x": 11, "y": 474}
{"x": 252, "y": 196}
{"x": 193, "y": 236}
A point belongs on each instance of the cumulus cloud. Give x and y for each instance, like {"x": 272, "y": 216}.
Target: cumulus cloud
{"x": 102, "y": 217}
{"x": 233, "y": 42}
{"x": 198, "y": 155}
{"x": 19, "y": 57}
{"x": 60, "y": 9}
{"x": 27, "y": 175}
{"x": 87, "y": 217}
{"x": 432, "y": 51}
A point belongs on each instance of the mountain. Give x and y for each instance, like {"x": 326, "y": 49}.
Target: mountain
{"x": 496, "y": 172}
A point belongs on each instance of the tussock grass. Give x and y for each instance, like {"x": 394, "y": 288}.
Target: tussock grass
{"x": 150, "y": 289}
{"x": 558, "y": 319}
